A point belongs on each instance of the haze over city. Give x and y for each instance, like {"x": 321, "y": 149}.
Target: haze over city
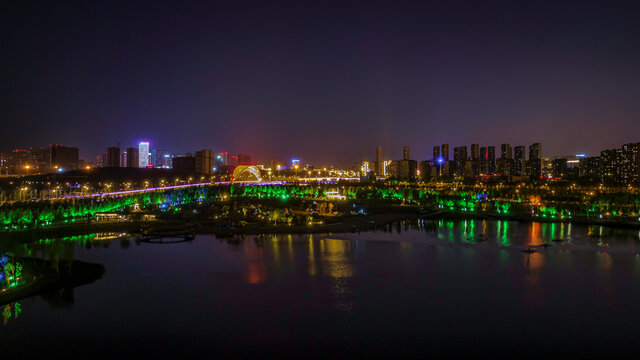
{"x": 325, "y": 82}
{"x": 320, "y": 179}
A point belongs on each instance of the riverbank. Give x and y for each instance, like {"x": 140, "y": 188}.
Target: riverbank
{"x": 355, "y": 223}
{"x": 40, "y": 278}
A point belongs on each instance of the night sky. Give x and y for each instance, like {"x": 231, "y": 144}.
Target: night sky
{"x": 322, "y": 81}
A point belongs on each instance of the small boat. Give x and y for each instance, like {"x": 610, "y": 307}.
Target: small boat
{"x": 529, "y": 251}
{"x": 545, "y": 245}
{"x": 557, "y": 240}
{"x": 168, "y": 234}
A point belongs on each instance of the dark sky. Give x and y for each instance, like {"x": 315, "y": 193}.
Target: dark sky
{"x": 322, "y": 81}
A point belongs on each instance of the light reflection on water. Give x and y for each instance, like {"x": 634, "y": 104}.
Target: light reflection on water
{"x": 430, "y": 278}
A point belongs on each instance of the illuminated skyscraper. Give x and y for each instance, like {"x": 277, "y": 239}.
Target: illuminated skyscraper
{"x": 436, "y": 154}
{"x": 405, "y": 153}
{"x": 143, "y": 154}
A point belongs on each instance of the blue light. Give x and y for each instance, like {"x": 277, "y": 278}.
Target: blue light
{"x": 60, "y": 170}
{"x": 440, "y": 160}
{"x": 581, "y": 155}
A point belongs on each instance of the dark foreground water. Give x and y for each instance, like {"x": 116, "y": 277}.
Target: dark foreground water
{"x": 409, "y": 291}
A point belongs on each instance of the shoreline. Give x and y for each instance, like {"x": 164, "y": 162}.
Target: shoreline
{"x": 348, "y": 224}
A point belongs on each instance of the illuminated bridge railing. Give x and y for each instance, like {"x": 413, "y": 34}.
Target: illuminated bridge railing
{"x": 173, "y": 187}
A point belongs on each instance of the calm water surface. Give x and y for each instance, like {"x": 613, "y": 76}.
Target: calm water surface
{"x": 430, "y": 289}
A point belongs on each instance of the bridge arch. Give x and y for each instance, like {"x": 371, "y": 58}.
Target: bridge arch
{"x": 246, "y": 173}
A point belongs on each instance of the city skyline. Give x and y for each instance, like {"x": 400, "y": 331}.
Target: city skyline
{"x": 387, "y": 154}
{"x": 320, "y": 83}
{"x": 320, "y": 179}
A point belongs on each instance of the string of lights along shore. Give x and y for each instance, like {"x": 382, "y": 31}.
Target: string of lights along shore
{"x": 476, "y": 161}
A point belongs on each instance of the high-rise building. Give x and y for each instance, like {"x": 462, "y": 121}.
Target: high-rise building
{"x": 232, "y": 160}
{"x": 40, "y": 160}
{"x": 143, "y": 154}
{"x": 244, "y": 159}
{"x": 133, "y": 157}
{"x": 444, "y": 152}
{"x": 506, "y": 152}
{"x": 379, "y": 162}
{"x": 621, "y": 165}
{"x": 221, "y": 160}
{"x": 101, "y": 160}
{"x": 64, "y": 157}
{"x": 459, "y": 160}
{"x": 427, "y": 170}
{"x": 437, "y": 161}
{"x": 559, "y": 168}
{"x": 506, "y": 158}
{"x": 365, "y": 168}
{"x": 113, "y": 157}
{"x": 16, "y": 162}
{"x": 403, "y": 169}
{"x": 631, "y": 163}
{"x": 484, "y": 164}
{"x": 590, "y": 167}
{"x": 157, "y": 157}
{"x": 519, "y": 161}
{"x": 167, "y": 160}
{"x": 491, "y": 160}
{"x": 204, "y": 162}
{"x": 5, "y": 163}
{"x": 475, "y": 159}
{"x": 475, "y": 151}
{"x": 385, "y": 167}
{"x": 405, "y": 153}
{"x": 535, "y": 160}
{"x": 184, "y": 163}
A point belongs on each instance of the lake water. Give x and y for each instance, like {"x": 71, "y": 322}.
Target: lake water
{"x": 427, "y": 289}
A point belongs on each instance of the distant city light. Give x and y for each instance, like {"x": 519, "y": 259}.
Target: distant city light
{"x": 143, "y": 148}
